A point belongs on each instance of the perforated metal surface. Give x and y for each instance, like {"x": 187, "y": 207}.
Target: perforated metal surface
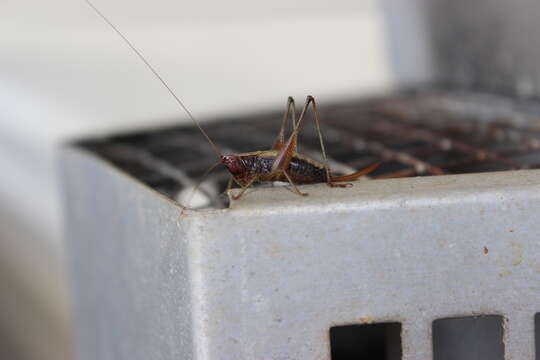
{"x": 414, "y": 134}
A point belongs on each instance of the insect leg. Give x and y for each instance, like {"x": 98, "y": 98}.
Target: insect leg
{"x": 293, "y": 185}
{"x": 329, "y": 180}
{"x": 229, "y": 184}
{"x": 290, "y": 109}
{"x": 244, "y": 188}
{"x": 318, "y": 127}
{"x": 283, "y": 158}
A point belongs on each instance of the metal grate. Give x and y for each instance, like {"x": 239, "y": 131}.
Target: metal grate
{"x": 415, "y": 134}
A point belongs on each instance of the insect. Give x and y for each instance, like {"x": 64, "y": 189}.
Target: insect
{"x": 282, "y": 162}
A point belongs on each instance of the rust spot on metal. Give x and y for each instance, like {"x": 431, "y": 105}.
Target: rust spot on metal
{"x": 366, "y": 320}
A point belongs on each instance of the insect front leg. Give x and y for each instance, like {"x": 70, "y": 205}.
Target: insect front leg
{"x": 244, "y": 188}
{"x": 229, "y": 183}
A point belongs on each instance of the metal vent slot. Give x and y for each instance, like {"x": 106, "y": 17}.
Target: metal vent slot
{"x": 468, "y": 338}
{"x": 368, "y": 341}
{"x": 537, "y": 334}
{"x": 414, "y": 134}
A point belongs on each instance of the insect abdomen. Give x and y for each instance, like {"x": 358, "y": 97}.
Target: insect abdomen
{"x": 304, "y": 172}
{"x": 300, "y": 170}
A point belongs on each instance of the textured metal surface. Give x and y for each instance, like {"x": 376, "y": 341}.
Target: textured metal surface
{"x": 129, "y": 260}
{"x": 268, "y": 278}
{"x": 414, "y": 134}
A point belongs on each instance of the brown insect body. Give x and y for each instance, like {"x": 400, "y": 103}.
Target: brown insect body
{"x": 301, "y": 169}
{"x": 283, "y": 162}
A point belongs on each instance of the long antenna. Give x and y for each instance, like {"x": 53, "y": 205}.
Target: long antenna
{"x": 155, "y": 73}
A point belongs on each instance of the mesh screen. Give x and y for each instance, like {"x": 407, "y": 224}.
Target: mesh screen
{"x": 421, "y": 133}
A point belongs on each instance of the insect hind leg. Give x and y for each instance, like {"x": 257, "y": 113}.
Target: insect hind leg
{"x": 295, "y": 188}
{"x": 311, "y": 100}
{"x": 334, "y": 185}
{"x": 289, "y": 111}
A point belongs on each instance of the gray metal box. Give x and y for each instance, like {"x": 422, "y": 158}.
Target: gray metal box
{"x": 268, "y": 278}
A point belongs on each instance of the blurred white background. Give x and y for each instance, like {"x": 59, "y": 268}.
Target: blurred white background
{"x": 65, "y": 74}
